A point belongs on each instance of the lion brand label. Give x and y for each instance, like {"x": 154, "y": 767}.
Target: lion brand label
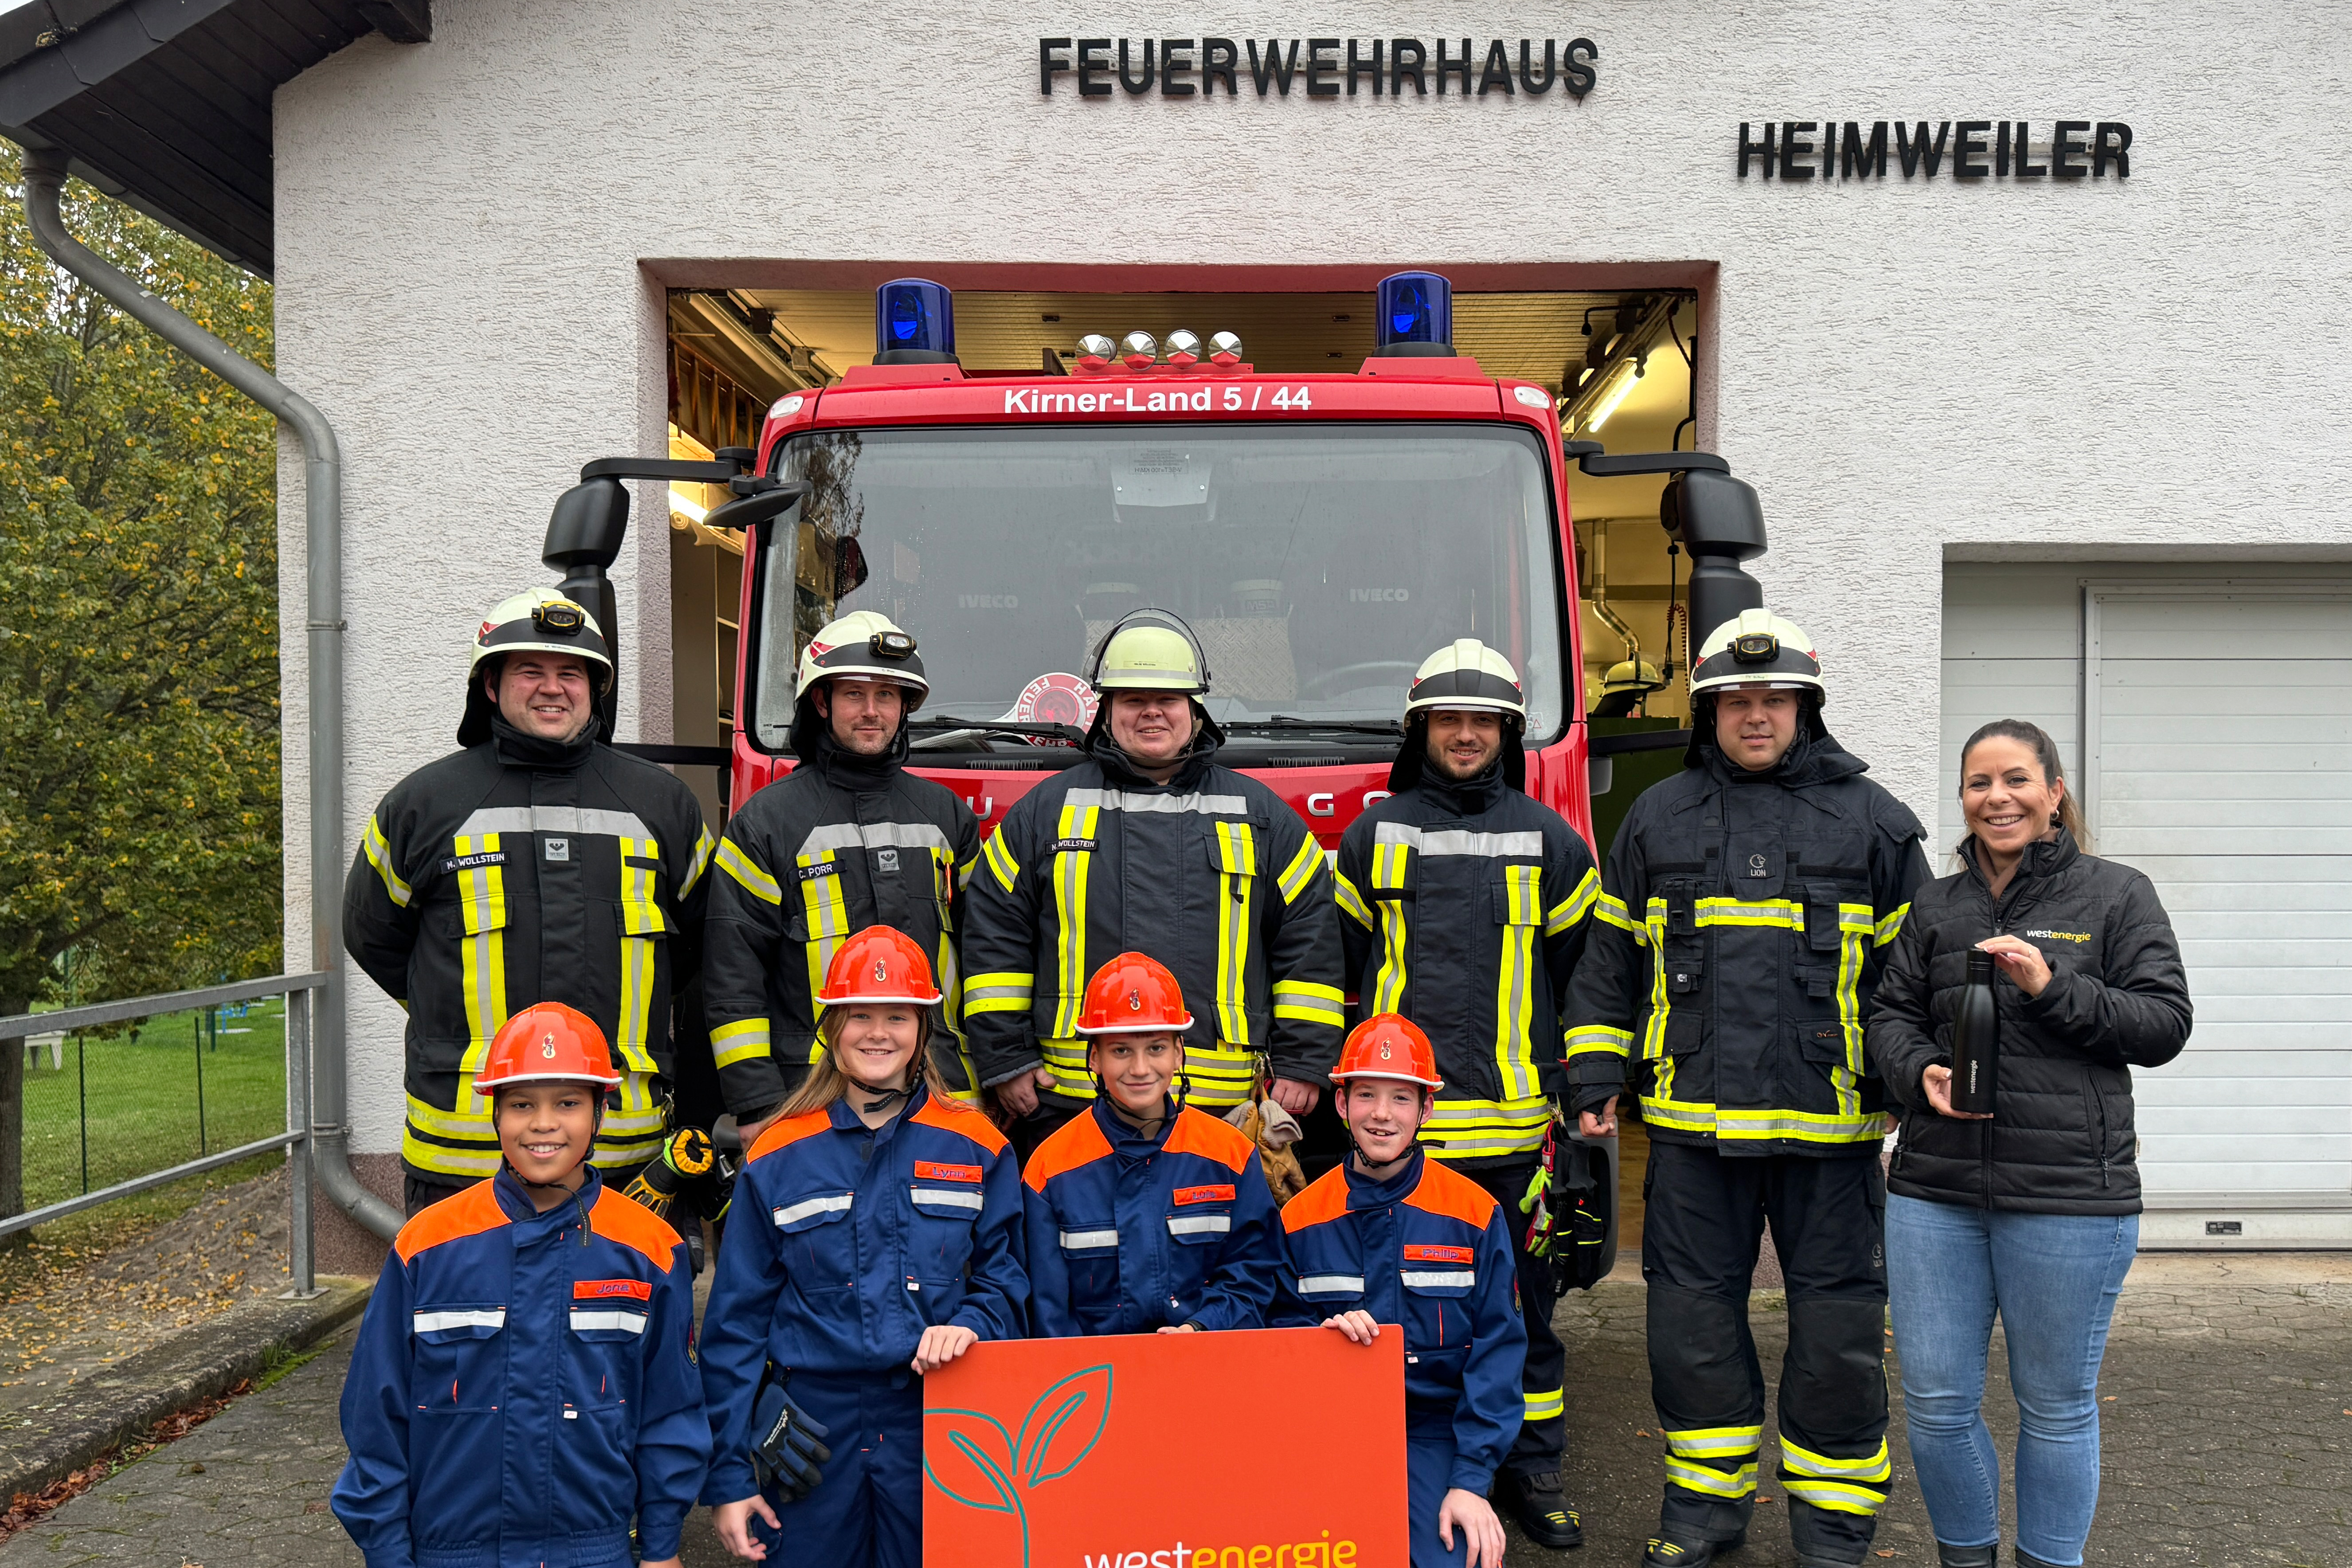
{"x": 1422, "y": 1252}
{"x": 1217, "y": 1195}
{"x": 932, "y": 1171}
{"x": 607, "y": 1289}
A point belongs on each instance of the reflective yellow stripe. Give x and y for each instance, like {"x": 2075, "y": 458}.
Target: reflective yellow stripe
{"x": 1299, "y": 874}
{"x": 1310, "y": 1002}
{"x": 469, "y": 1128}
{"x": 632, "y": 1133}
{"x": 642, "y": 924}
{"x": 379, "y": 853}
{"x": 1550, "y": 1405}
{"x": 1070, "y": 870}
{"x": 1003, "y": 991}
{"x": 1786, "y": 914}
{"x": 1390, "y": 867}
{"x": 1599, "y": 1039}
{"x": 1853, "y": 950}
{"x": 1001, "y": 863}
{"x": 1351, "y": 902}
{"x": 1478, "y": 1129}
{"x": 1758, "y": 1125}
{"x": 482, "y": 896}
{"x": 1236, "y": 846}
{"x": 1653, "y": 1030}
{"x": 1715, "y": 1441}
{"x": 1798, "y": 1461}
{"x": 1680, "y": 1115}
{"x": 1612, "y": 909}
{"x": 1888, "y": 929}
{"x": 755, "y": 881}
{"x": 704, "y": 846}
{"x": 823, "y": 913}
{"x": 1576, "y": 905}
{"x": 1739, "y": 1483}
{"x": 1513, "y": 988}
{"x": 1835, "y": 1495}
{"x": 732, "y": 1045}
{"x": 1067, "y": 1060}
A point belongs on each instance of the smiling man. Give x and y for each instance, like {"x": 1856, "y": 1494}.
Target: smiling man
{"x": 534, "y": 865}
{"x": 1742, "y": 930}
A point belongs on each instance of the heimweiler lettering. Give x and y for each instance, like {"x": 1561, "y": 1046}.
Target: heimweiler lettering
{"x": 1798, "y": 150}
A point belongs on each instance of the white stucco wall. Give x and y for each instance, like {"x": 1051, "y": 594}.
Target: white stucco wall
{"x": 2085, "y": 369}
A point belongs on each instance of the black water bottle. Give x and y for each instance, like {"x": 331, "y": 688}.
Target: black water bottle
{"x": 1976, "y": 1039}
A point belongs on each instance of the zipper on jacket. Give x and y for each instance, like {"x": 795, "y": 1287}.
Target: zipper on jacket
{"x": 2099, "y": 1124}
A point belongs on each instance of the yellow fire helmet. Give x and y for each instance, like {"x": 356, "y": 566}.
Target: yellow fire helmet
{"x": 1149, "y": 650}
{"x": 865, "y": 645}
{"x": 543, "y": 620}
{"x": 1758, "y": 648}
{"x": 1467, "y": 674}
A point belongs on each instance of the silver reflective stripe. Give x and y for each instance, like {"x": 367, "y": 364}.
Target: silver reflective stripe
{"x": 807, "y": 1206}
{"x": 556, "y": 819}
{"x": 1456, "y": 841}
{"x": 954, "y": 1198}
{"x": 1083, "y": 1240}
{"x": 1330, "y": 1284}
{"x": 607, "y": 1318}
{"x": 1130, "y": 800}
{"x": 1440, "y": 1279}
{"x": 1199, "y": 1223}
{"x": 477, "y": 1318}
{"x": 874, "y": 836}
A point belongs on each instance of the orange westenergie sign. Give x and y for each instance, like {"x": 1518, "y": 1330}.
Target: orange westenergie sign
{"x": 1267, "y": 1449}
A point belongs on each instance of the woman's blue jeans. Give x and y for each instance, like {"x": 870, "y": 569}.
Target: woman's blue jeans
{"x": 2053, "y": 1279}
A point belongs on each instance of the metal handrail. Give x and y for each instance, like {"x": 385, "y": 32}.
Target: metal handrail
{"x": 299, "y": 1140}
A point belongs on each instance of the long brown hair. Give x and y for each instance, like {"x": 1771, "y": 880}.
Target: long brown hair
{"x": 2045, "y": 751}
{"x": 826, "y": 1082}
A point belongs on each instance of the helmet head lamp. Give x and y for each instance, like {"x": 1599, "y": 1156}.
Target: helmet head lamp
{"x": 893, "y": 643}
{"x": 1755, "y": 647}
{"x": 561, "y": 619}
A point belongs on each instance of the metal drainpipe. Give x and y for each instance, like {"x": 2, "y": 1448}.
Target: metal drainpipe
{"x": 322, "y": 491}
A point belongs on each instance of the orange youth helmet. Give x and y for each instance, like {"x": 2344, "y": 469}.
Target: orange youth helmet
{"x": 1389, "y": 1045}
{"x": 878, "y": 964}
{"x": 1133, "y": 994}
{"x": 543, "y": 1042}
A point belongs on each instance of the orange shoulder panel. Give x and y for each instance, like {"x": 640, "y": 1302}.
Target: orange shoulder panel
{"x": 949, "y": 1117}
{"x": 1452, "y": 1195}
{"x": 1198, "y": 1132}
{"x": 791, "y": 1130}
{"x": 1076, "y": 1142}
{"x": 461, "y": 1214}
{"x": 1326, "y": 1199}
{"x": 630, "y": 1223}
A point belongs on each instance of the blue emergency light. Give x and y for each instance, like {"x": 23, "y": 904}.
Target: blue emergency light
{"x": 1416, "y": 314}
{"x": 914, "y": 323}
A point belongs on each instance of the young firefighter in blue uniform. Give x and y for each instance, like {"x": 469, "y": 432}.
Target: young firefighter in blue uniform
{"x": 1144, "y": 1213}
{"x": 1392, "y": 1235}
{"x": 875, "y": 1236}
{"x": 524, "y": 1379}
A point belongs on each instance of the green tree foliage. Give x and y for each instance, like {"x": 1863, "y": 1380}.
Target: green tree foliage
{"x": 139, "y": 729}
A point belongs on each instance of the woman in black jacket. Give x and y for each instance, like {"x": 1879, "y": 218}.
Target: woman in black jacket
{"x": 2033, "y": 1211}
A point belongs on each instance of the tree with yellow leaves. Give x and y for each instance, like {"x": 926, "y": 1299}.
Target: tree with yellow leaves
{"x": 139, "y": 725}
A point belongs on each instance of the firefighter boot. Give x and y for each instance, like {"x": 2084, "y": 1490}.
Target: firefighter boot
{"x": 2027, "y": 1560}
{"x": 1542, "y": 1510}
{"x": 1694, "y": 1532}
{"x": 1829, "y": 1538}
{"x": 1949, "y": 1556}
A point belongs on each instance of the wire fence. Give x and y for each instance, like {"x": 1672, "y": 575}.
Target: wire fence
{"x": 103, "y": 1107}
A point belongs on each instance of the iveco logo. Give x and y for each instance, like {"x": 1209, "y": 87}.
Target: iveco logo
{"x": 988, "y": 601}
{"x": 1379, "y": 595}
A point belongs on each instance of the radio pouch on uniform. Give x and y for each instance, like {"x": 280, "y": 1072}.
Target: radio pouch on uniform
{"x": 788, "y": 1450}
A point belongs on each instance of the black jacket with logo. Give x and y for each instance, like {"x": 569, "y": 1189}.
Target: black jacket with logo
{"x": 1743, "y": 920}
{"x": 2060, "y": 1139}
{"x": 519, "y": 871}
{"x": 1462, "y": 906}
{"x": 1210, "y": 873}
{"x": 842, "y": 843}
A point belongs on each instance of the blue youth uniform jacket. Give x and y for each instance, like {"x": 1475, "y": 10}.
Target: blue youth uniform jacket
{"x": 844, "y": 1244}
{"x": 522, "y": 1385}
{"x": 1427, "y": 1249}
{"x": 1127, "y": 1233}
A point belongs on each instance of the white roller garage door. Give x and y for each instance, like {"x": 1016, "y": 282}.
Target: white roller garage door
{"x": 2215, "y": 745}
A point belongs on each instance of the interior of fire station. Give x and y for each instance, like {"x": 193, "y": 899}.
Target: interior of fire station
{"x": 1621, "y": 366}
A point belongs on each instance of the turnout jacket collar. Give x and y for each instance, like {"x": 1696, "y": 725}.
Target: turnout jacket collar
{"x": 812, "y": 743}
{"x": 517, "y": 750}
{"x": 1411, "y": 769}
{"x": 1426, "y": 1249}
{"x": 1127, "y": 1233}
{"x": 521, "y": 1387}
{"x": 2061, "y": 1140}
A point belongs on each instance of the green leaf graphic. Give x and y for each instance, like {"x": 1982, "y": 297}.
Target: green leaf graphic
{"x": 970, "y": 1435}
{"x": 1063, "y": 1427}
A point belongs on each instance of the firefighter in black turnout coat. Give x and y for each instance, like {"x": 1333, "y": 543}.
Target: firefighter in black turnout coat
{"x": 849, "y": 839}
{"x": 1462, "y": 905}
{"x": 535, "y": 865}
{"x": 1744, "y": 919}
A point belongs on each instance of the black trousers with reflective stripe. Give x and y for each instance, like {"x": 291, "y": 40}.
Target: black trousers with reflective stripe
{"x": 1541, "y": 1444}
{"x": 1702, "y": 1226}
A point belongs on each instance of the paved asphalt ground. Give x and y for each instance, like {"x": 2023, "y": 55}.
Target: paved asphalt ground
{"x": 2229, "y": 1443}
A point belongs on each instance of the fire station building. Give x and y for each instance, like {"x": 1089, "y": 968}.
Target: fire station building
{"x": 1969, "y": 296}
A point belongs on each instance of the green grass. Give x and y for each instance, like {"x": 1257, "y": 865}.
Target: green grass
{"x": 136, "y": 1101}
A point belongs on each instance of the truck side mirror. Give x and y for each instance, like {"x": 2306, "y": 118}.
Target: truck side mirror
{"x": 1720, "y": 522}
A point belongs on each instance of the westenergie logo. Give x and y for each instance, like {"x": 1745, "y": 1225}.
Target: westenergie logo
{"x": 2062, "y": 935}
{"x": 1324, "y": 1554}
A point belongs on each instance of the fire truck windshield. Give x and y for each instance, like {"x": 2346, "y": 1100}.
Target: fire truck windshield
{"x": 1319, "y": 564}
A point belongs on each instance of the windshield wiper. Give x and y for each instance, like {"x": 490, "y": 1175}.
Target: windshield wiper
{"x": 1286, "y": 724}
{"x": 946, "y": 724}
